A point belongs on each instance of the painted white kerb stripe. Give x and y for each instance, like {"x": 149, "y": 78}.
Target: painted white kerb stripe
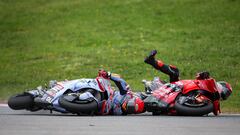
{"x": 4, "y": 105}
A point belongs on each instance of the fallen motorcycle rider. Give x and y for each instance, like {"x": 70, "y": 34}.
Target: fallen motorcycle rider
{"x": 183, "y": 97}
{"x": 82, "y": 97}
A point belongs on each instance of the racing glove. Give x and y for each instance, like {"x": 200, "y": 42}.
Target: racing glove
{"x": 203, "y": 75}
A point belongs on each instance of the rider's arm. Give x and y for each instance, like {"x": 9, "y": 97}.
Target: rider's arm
{"x": 121, "y": 84}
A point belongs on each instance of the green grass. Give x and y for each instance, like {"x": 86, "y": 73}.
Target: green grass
{"x": 42, "y": 40}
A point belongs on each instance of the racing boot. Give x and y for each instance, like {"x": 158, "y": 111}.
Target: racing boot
{"x": 150, "y": 59}
{"x": 170, "y": 70}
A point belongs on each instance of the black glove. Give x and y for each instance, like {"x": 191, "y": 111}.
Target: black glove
{"x": 203, "y": 75}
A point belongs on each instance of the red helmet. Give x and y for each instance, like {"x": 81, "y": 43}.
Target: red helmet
{"x": 225, "y": 89}
{"x": 134, "y": 105}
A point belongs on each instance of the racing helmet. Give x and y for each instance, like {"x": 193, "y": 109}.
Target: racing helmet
{"x": 224, "y": 89}
{"x": 133, "y": 106}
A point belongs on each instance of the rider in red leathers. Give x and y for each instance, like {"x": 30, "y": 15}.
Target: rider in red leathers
{"x": 222, "y": 89}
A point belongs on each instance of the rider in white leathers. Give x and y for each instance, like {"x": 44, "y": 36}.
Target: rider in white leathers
{"x": 124, "y": 101}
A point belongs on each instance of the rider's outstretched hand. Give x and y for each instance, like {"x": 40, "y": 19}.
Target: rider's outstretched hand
{"x": 203, "y": 75}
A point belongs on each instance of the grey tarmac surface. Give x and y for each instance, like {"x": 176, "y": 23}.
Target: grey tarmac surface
{"x": 43, "y": 123}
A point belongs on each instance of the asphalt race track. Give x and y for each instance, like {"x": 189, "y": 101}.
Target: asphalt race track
{"x": 44, "y": 123}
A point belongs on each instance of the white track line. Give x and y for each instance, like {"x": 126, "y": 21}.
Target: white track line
{"x": 4, "y": 105}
